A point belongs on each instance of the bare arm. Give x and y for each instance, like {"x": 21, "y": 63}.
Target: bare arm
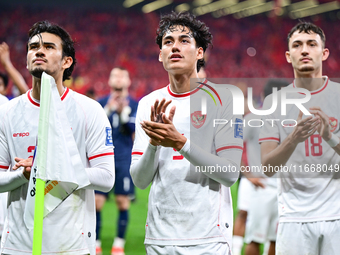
{"x": 13, "y": 73}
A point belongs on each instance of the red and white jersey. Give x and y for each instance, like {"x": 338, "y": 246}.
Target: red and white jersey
{"x": 186, "y": 207}
{"x": 70, "y": 228}
{"x": 3, "y": 196}
{"x": 309, "y": 186}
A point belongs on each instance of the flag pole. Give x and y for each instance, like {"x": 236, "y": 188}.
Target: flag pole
{"x": 45, "y": 96}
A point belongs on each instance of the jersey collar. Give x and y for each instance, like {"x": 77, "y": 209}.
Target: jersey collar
{"x": 318, "y": 90}
{"x": 186, "y": 94}
{"x": 37, "y": 102}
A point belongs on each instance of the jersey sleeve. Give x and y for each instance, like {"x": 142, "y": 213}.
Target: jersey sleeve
{"x": 5, "y": 159}
{"x": 144, "y": 163}
{"x": 229, "y": 137}
{"x": 99, "y": 149}
{"x": 269, "y": 130}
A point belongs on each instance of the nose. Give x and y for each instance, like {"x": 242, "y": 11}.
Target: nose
{"x": 40, "y": 52}
{"x": 305, "y": 49}
{"x": 175, "y": 46}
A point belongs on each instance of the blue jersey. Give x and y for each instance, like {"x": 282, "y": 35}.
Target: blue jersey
{"x": 122, "y": 133}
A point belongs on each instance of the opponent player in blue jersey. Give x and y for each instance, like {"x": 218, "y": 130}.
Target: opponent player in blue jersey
{"x": 121, "y": 111}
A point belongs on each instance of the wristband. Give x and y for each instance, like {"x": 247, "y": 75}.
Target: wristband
{"x": 334, "y": 141}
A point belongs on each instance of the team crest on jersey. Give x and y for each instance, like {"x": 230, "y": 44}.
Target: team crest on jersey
{"x": 197, "y": 119}
{"x": 333, "y": 122}
{"x": 108, "y": 140}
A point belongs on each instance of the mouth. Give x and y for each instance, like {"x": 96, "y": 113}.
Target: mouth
{"x": 305, "y": 59}
{"x": 39, "y": 61}
{"x": 175, "y": 57}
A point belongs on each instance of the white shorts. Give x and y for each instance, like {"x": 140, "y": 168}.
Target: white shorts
{"x": 244, "y": 196}
{"x": 321, "y": 237}
{"x": 201, "y": 249}
{"x": 262, "y": 216}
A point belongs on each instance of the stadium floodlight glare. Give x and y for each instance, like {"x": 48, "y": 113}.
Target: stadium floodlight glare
{"x": 213, "y": 7}
{"x": 155, "y": 5}
{"x": 182, "y": 7}
{"x": 242, "y": 6}
{"x": 303, "y": 5}
{"x": 201, "y": 2}
{"x": 335, "y": 5}
{"x": 253, "y": 10}
{"x": 130, "y": 3}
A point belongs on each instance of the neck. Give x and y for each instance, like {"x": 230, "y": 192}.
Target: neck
{"x": 310, "y": 84}
{"x": 310, "y": 81}
{"x": 36, "y": 88}
{"x": 181, "y": 83}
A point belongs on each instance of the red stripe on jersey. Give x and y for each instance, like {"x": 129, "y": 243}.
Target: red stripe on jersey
{"x": 31, "y": 100}
{"x": 177, "y": 95}
{"x": 317, "y": 91}
{"x": 65, "y": 94}
{"x": 101, "y": 155}
{"x": 4, "y": 167}
{"x": 269, "y": 138}
{"x": 229, "y": 147}
{"x": 198, "y": 88}
{"x": 137, "y": 153}
{"x": 37, "y": 104}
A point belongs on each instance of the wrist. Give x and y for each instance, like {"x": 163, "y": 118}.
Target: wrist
{"x": 180, "y": 143}
{"x": 333, "y": 141}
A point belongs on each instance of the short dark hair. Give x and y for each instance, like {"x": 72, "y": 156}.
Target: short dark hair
{"x": 198, "y": 29}
{"x": 274, "y": 83}
{"x": 308, "y": 28}
{"x": 4, "y": 78}
{"x": 67, "y": 42}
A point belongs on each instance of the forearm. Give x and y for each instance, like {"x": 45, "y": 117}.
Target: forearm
{"x": 11, "y": 180}
{"x": 16, "y": 77}
{"x": 278, "y": 156}
{"x": 144, "y": 169}
{"x": 228, "y": 160}
{"x": 101, "y": 174}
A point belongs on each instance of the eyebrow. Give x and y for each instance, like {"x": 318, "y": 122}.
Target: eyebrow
{"x": 171, "y": 37}
{"x": 45, "y": 43}
{"x": 308, "y": 41}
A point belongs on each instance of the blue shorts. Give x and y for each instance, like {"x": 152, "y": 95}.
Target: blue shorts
{"x": 123, "y": 181}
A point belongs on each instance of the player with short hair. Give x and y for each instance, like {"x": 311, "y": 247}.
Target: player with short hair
{"x": 70, "y": 228}
{"x": 190, "y": 210}
{"x": 309, "y": 220}
{"x": 121, "y": 110}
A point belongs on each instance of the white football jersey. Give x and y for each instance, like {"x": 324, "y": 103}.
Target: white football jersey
{"x": 70, "y": 228}
{"x": 186, "y": 207}
{"x": 309, "y": 187}
{"x": 3, "y": 196}
{"x": 251, "y": 132}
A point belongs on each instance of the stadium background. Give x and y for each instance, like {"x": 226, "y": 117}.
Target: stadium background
{"x": 249, "y": 42}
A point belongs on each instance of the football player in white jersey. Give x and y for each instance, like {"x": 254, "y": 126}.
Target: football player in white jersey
{"x": 3, "y": 196}
{"x": 189, "y": 209}
{"x": 70, "y": 228}
{"x": 305, "y": 150}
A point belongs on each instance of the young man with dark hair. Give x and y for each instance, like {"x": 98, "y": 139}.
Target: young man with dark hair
{"x": 70, "y": 228}
{"x": 190, "y": 211}
{"x": 309, "y": 213}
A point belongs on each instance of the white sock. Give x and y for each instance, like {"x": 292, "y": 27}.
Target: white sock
{"x": 266, "y": 248}
{"x": 119, "y": 242}
{"x": 98, "y": 243}
{"x": 237, "y": 245}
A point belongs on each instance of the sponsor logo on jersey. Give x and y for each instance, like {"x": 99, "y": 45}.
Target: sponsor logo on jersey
{"x": 21, "y": 134}
{"x": 197, "y": 119}
{"x": 238, "y": 128}
{"x": 333, "y": 122}
{"x": 108, "y": 140}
